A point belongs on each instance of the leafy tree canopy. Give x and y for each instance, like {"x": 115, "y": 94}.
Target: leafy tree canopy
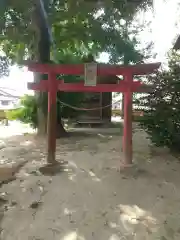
{"x": 80, "y": 27}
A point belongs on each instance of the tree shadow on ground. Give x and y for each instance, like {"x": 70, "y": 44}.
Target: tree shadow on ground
{"x": 105, "y": 204}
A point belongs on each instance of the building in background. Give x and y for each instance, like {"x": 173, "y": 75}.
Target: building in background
{"x": 8, "y": 101}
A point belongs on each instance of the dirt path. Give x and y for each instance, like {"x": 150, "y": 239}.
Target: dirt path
{"x": 92, "y": 200}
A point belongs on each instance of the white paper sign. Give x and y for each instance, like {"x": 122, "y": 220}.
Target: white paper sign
{"x": 90, "y": 74}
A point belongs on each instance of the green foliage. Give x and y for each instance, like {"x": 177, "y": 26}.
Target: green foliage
{"x": 162, "y": 107}
{"x": 16, "y": 28}
{"x": 27, "y": 113}
{"x": 78, "y": 27}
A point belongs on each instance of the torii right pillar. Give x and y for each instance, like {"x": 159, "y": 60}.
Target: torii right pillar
{"x": 128, "y": 107}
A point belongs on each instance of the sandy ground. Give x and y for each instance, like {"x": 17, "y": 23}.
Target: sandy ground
{"x": 92, "y": 200}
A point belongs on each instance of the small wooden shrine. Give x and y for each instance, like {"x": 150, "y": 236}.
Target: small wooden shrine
{"x": 100, "y": 102}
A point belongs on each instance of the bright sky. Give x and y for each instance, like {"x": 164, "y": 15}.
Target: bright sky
{"x": 163, "y": 32}
{"x": 165, "y": 27}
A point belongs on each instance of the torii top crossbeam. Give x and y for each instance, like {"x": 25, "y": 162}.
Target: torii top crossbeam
{"x": 102, "y": 69}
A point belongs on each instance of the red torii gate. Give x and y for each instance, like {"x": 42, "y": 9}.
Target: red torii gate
{"x": 127, "y": 86}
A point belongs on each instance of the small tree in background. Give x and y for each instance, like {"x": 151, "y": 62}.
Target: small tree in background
{"x": 27, "y": 113}
{"x": 161, "y": 108}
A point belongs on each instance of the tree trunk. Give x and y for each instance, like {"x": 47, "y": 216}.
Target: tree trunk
{"x": 126, "y": 62}
{"x": 43, "y": 57}
{"x": 42, "y": 121}
{"x": 41, "y": 116}
{"x": 106, "y": 112}
{"x": 61, "y": 132}
{"x": 44, "y": 49}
